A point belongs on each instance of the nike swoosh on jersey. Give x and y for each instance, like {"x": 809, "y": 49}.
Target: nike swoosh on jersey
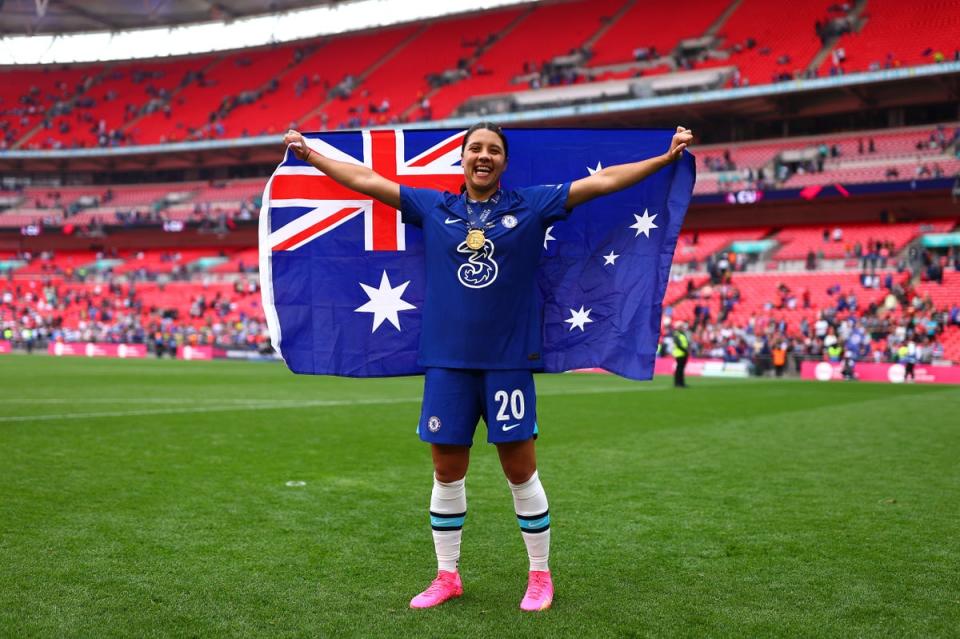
{"x": 510, "y": 427}
{"x": 452, "y": 220}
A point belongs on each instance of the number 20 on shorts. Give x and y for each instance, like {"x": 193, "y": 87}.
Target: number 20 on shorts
{"x": 512, "y": 401}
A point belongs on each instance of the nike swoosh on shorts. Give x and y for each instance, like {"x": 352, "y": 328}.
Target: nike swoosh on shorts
{"x": 510, "y": 427}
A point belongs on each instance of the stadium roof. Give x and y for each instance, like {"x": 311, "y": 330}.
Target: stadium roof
{"x": 169, "y": 27}
{"x": 30, "y": 17}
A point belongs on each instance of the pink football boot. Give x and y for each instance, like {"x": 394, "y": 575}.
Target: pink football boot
{"x": 539, "y": 591}
{"x": 446, "y": 586}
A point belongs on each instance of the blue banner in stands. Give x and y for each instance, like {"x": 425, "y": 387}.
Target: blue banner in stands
{"x": 343, "y": 278}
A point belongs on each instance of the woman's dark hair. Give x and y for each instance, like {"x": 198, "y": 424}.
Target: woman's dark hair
{"x": 489, "y": 126}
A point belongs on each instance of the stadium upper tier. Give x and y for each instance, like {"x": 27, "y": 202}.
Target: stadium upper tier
{"x": 916, "y": 153}
{"x": 698, "y": 246}
{"x": 898, "y": 33}
{"x": 851, "y": 241}
{"x": 141, "y": 264}
{"x": 78, "y": 205}
{"x": 430, "y": 70}
{"x": 868, "y": 156}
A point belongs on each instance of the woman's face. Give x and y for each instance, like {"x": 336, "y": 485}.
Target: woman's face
{"x": 484, "y": 160}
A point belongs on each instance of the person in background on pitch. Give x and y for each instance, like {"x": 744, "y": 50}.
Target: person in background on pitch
{"x": 681, "y": 350}
{"x": 475, "y": 365}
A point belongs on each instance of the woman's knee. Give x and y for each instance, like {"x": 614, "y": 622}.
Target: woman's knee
{"x": 448, "y": 474}
{"x": 519, "y": 475}
{"x": 518, "y": 460}
{"x": 450, "y": 462}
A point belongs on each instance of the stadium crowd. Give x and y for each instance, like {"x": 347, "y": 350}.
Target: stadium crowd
{"x": 79, "y": 305}
{"x": 904, "y": 323}
{"x": 112, "y": 309}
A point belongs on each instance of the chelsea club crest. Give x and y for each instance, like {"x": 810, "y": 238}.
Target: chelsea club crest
{"x": 508, "y": 221}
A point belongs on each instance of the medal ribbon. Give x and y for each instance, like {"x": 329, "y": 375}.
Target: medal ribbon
{"x": 477, "y": 221}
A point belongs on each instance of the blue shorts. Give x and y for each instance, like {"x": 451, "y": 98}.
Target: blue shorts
{"x": 455, "y": 399}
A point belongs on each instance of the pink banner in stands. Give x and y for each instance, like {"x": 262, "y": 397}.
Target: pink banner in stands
{"x": 695, "y": 368}
{"x": 892, "y": 373}
{"x": 123, "y": 351}
{"x": 5, "y": 346}
{"x": 200, "y": 352}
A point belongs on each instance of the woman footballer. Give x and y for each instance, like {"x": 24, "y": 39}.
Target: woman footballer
{"x": 481, "y": 334}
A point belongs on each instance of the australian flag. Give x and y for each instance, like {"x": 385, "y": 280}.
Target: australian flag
{"x": 343, "y": 278}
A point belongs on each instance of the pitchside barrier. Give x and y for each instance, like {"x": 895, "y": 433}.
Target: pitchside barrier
{"x": 212, "y": 352}
{"x": 870, "y": 372}
{"x": 820, "y": 371}
{"x": 130, "y": 351}
{"x": 96, "y": 349}
{"x": 200, "y": 352}
{"x": 695, "y": 368}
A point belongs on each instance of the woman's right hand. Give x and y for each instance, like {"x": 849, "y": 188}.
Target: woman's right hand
{"x": 295, "y": 141}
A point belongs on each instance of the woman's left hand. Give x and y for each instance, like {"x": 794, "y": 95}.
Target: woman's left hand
{"x": 681, "y": 140}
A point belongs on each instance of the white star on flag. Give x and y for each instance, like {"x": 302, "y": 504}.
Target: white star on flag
{"x": 385, "y": 302}
{"x": 579, "y": 319}
{"x": 645, "y": 223}
{"x": 547, "y": 237}
{"x": 610, "y": 259}
{"x": 596, "y": 170}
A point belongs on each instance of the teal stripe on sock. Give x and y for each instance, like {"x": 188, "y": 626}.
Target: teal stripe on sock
{"x": 446, "y": 521}
{"x": 533, "y": 524}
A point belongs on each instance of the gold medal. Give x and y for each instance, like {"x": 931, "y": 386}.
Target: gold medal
{"x": 475, "y": 239}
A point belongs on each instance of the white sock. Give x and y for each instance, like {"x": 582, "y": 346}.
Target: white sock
{"x": 448, "y": 509}
{"x": 530, "y": 502}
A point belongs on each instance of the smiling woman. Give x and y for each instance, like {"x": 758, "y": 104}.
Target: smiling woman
{"x": 482, "y": 328}
{"x": 484, "y": 159}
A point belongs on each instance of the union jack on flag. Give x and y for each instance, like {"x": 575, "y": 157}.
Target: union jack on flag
{"x": 296, "y": 184}
{"x": 343, "y": 278}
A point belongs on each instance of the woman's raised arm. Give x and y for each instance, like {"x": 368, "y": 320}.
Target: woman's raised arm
{"x": 616, "y": 178}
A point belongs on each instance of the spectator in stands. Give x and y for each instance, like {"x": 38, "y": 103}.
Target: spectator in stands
{"x": 907, "y": 354}
{"x": 779, "y": 355}
{"x": 849, "y": 366}
{"x": 681, "y": 352}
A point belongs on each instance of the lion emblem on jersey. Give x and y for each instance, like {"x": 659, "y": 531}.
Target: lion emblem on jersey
{"x": 480, "y": 269}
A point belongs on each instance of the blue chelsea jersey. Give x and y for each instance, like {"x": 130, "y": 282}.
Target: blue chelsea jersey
{"x": 482, "y": 308}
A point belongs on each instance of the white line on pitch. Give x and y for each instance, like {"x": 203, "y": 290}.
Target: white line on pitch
{"x": 285, "y": 404}
{"x": 131, "y": 400}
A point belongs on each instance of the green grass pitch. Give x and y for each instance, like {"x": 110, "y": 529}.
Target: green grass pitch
{"x": 150, "y": 499}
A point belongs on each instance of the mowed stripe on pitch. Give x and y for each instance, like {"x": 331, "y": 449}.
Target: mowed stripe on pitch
{"x": 282, "y": 405}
